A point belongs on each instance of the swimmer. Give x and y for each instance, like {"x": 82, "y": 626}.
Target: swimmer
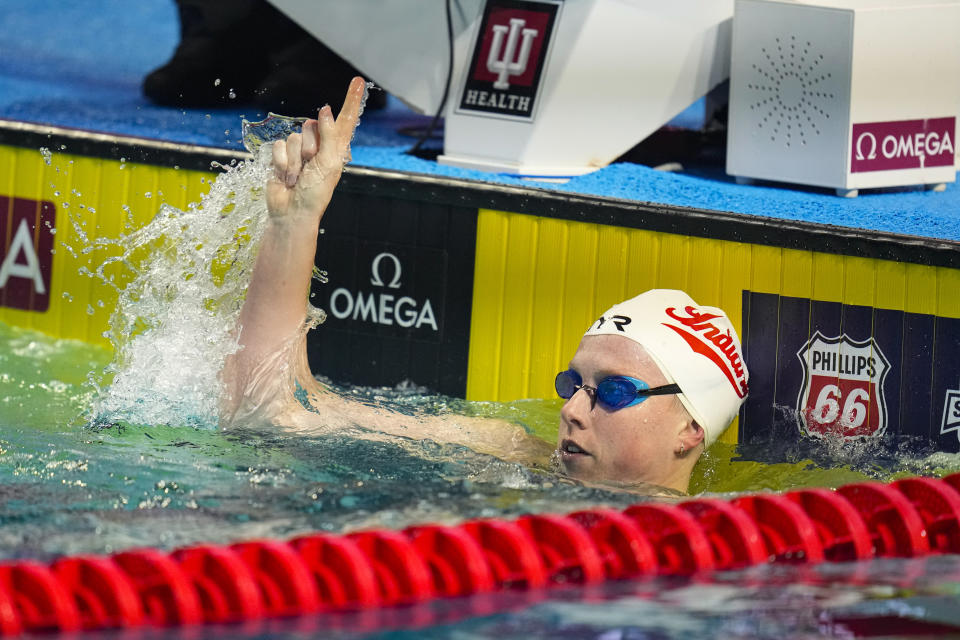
{"x": 653, "y": 382}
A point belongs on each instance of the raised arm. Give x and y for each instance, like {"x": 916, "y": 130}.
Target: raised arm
{"x": 307, "y": 168}
{"x": 259, "y": 378}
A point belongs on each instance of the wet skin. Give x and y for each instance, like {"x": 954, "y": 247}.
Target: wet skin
{"x": 629, "y": 445}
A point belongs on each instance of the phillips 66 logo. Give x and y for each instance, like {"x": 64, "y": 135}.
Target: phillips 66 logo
{"x": 842, "y": 393}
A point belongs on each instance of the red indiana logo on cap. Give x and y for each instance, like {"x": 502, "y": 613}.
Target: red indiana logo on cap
{"x": 710, "y": 341}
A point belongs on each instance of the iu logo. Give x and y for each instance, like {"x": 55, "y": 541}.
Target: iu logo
{"x": 501, "y": 59}
{"x": 842, "y": 392}
{"x": 509, "y": 57}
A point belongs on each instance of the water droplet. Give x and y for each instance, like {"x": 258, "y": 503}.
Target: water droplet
{"x": 67, "y": 297}
{"x": 232, "y": 94}
{"x": 90, "y": 310}
{"x": 47, "y": 156}
{"x": 216, "y": 82}
{"x": 147, "y": 195}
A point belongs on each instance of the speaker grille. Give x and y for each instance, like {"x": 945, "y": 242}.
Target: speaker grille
{"x": 789, "y": 91}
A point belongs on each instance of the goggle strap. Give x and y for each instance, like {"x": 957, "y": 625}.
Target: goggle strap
{"x": 665, "y": 390}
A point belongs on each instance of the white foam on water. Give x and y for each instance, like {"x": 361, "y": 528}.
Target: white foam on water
{"x": 173, "y": 327}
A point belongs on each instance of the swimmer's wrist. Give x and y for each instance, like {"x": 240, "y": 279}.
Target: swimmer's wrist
{"x": 297, "y": 216}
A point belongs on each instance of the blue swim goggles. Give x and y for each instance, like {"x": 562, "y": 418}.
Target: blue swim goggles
{"x": 614, "y": 392}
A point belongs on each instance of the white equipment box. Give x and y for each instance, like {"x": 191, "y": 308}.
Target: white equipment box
{"x": 539, "y": 87}
{"x": 847, "y": 95}
{"x": 556, "y": 89}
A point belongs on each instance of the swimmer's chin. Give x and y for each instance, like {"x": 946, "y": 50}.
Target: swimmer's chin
{"x": 637, "y": 487}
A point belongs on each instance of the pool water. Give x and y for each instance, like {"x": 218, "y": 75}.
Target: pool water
{"x": 66, "y": 488}
{"x": 69, "y": 488}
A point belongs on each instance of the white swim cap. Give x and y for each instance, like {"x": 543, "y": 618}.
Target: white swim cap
{"x": 695, "y": 347}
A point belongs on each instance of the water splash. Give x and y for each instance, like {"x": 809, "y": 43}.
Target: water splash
{"x": 273, "y": 127}
{"x": 173, "y": 327}
{"x": 276, "y": 127}
{"x": 367, "y": 88}
{"x": 187, "y": 273}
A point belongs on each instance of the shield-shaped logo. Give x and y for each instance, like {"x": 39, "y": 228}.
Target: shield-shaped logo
{"x": 509, "y": 57}
{"x": 842, "y": 392}
{"x": 951, "y": 412}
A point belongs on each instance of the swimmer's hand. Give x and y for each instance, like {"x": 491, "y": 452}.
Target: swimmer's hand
{"x": 307, "y": 165}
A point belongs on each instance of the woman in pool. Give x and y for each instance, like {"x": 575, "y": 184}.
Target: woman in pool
{"x": 654, "y": 381}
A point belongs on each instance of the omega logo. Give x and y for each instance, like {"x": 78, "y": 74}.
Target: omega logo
{"x": 375, "y": 271}
{"x": 872, "y": 153}
{"x": 383, "y": 308}
{"x": 919, "y": 144}
{"x": 906, "y": 144}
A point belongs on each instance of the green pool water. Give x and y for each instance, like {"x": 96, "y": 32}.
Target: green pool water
{"x": 68, "y": 488}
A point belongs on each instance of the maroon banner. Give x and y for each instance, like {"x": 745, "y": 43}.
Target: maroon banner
{"x": 903, "y": 144}
{"x": 26, "y": 258}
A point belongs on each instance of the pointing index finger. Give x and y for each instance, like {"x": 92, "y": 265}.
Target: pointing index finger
{"x": 350, "y": 113}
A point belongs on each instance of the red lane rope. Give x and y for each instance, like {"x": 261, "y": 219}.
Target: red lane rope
{"x": 371, "y": 570}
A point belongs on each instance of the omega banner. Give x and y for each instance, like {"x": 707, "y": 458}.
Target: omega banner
{"x": 903, "y": 144}
{"x": 398, "y": 293}
{"x": 831, "y": 370}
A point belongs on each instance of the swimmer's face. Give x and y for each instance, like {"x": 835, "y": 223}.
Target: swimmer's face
{"x": 633, "y": 444}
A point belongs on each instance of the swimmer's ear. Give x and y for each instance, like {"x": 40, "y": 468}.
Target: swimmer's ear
{"x": 691, "y": 435}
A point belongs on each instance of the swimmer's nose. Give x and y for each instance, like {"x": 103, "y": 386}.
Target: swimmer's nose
{"x": 576, "y": 411}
